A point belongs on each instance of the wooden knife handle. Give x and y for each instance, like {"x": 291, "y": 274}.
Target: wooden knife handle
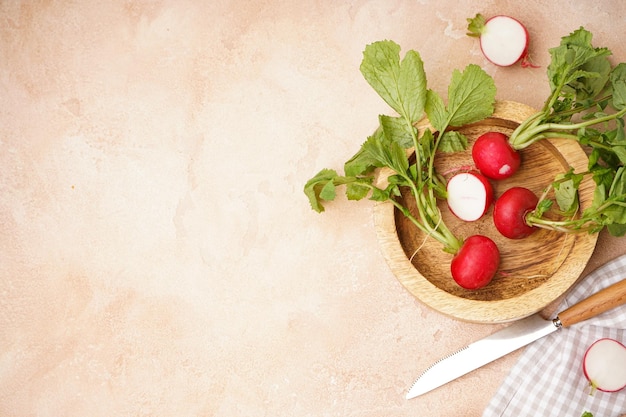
{"x": 604, "y": 300}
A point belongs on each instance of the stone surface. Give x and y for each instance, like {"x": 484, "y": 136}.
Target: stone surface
{"x": 157, "y": 254}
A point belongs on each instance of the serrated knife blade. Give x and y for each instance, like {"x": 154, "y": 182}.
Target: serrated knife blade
{"x": 514, "y": 337}
{"x": 480, "y": 353}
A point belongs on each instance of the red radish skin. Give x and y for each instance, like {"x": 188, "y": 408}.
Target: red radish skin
{"x": 503, "y": 39}
{"x": 476, "y": 263}
{"x": 494, "y": 157}
{"x": 509, "y": 212}
{"x": 604, "y": 365}
{"x": 470, "y": 195}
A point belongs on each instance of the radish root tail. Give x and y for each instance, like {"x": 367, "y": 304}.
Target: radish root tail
{"x": 423, "y": 241}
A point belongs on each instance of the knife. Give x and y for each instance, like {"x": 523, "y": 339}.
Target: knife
{"x": 513, "y": 337}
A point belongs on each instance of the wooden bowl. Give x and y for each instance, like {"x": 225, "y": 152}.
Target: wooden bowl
{"x": 534, "y": 271}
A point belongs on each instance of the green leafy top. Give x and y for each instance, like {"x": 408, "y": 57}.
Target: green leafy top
{"x": 401, "y": 83}
{"x": 587, "y": 103}
{"x": 476, "y": 25}
{"x": 582, "y": 84}
{"x": 471, "y": 97}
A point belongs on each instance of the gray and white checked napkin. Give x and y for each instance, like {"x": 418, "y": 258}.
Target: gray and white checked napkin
{"x": 547, "y": 380}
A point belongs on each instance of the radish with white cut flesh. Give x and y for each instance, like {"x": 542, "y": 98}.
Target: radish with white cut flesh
{"x": 503, "y": 39}
{"x": 469, "y": 195}
{"x": 604, "y": 365}
{"x": 494, "y": 157}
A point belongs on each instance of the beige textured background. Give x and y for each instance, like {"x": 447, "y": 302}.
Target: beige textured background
{"x": 157, "y": 255}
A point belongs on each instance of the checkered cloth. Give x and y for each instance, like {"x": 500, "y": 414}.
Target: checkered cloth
{"x": 548, "y": 380}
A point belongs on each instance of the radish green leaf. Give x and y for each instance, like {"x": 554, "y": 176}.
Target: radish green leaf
{"x": 401, "y": 83}
{"x": 471, "y": 96}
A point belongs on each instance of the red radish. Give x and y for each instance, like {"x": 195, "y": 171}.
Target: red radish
{"x": 469, "y": 195}
{"x": 604, "y": 365}
{"x": 503, "y": 39}
{"x": 476, "y": 263}
{"x": 510, "y": 210}
{"x": 494, "y": 157}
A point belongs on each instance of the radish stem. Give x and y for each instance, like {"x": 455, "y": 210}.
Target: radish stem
{"x": 526, "y": 135}
{"x": 591, "y": 220}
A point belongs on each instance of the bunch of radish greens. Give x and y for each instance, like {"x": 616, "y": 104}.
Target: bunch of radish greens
{"x": 587, "y": 103}
{"x": 402, "y": 85}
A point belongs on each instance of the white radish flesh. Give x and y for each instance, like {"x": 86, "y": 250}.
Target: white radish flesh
{"x": 604, "y": 365}
{"x": 469, "y": 195}
{"x": 503, "y": 39}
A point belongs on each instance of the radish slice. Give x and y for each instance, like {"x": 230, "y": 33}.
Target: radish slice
{"x": 604, "y": 365}
{"x": 503, "y": 39}
{"x": 469, "y": 195}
